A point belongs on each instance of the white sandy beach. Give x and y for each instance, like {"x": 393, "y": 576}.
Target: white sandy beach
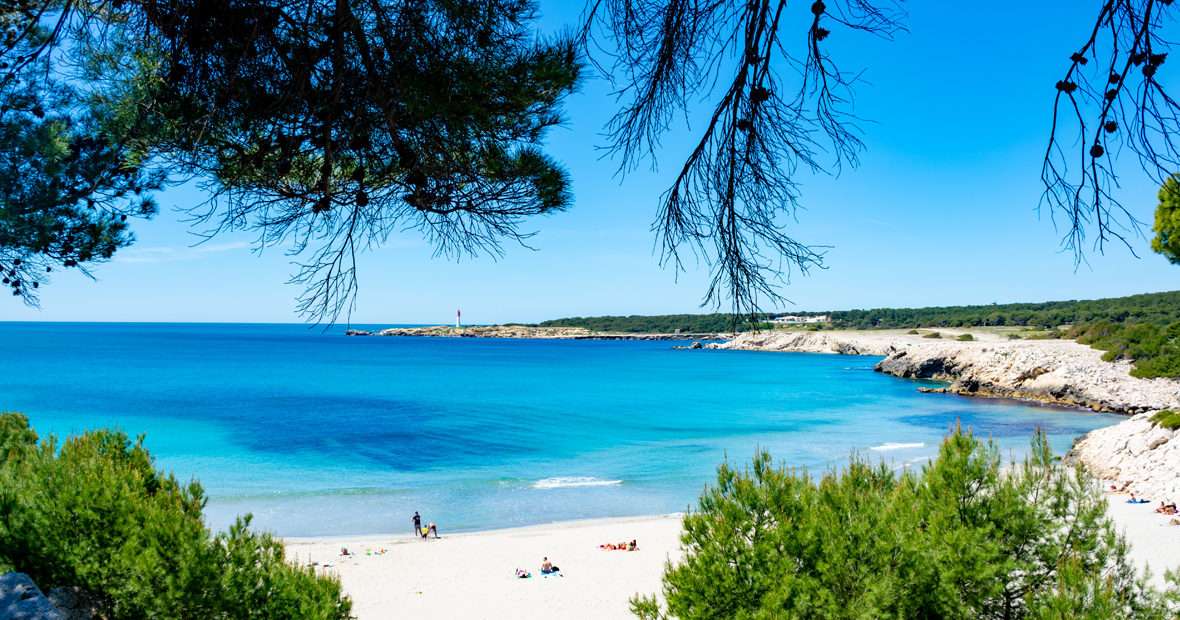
{"x": 1154, "y": 543}
{"x": 471, "y": 575}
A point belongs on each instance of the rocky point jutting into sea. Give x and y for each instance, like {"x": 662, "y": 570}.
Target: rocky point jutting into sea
{"x": 1137, "y": 453}
{"x": 525, "y": 331}
{"x": 1052, "y": 371}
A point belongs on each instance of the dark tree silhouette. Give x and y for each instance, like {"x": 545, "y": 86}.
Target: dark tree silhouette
{"x": 325, "y": 126}
{"x": 781, "y": 105}
{"x": 1111, "y": 98}
{"x": 70, "y": 175}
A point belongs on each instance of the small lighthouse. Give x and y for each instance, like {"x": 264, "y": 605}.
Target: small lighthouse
{"x": 458, "y": 316}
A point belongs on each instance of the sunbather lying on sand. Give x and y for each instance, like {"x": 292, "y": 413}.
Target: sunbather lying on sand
{"x": 623, "y": 546}
{"x": 522, "y": 573}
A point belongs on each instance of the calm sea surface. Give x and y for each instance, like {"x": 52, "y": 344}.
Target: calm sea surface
{"x": 320, "y": 433}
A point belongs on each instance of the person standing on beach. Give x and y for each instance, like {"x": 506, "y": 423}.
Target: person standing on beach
{"x": 417, "y": 524}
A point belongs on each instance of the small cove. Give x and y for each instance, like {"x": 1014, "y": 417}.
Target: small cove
{"x": 318, "y": 434}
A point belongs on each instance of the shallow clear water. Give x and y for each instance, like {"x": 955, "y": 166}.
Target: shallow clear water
{"x": 325, "y": 434}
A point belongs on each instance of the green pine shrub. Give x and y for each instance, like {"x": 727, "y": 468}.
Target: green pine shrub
{"x": 96, "y": 513}
{"x": 960, "y": 540}
{"x": 933, "y": 335}
{"x": 912, "y": 332}
{"x": 965, "y": 338}
{"x": 1166, "y": 419}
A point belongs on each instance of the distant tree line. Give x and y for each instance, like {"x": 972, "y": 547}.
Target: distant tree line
{"x": 1156, "y": 308}
{"x": 1160, "y": 309}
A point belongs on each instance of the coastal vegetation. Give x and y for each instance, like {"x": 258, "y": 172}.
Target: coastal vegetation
{"x": 1159, "y": 309}
{"x": 1166, "y": 419}
{"x": 1156, "y": 308}
{"x": 1142, "y": 328}
{"x": 1167, "y": 221}
{"x": 1155, "y": 350}
{"x": 95, "y": 513}
{"x": 960, "y": 540}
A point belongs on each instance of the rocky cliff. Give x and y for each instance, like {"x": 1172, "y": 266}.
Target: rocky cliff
{"x": 846, "y": 343}
{"x": 1135, "y": 453}
{"x": 1053, "y": 371}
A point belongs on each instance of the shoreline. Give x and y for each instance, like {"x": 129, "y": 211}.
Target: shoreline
{"x": 471, "y": 574}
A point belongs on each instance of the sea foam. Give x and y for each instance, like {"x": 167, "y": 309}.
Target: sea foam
{"x": 897, "y": 446}
{"x": 572, "y": 481}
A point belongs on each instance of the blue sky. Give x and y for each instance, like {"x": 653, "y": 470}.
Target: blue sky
{"x": 942, "y": 210}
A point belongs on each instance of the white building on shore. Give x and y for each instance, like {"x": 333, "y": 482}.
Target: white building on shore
{"x": 791, "y": 318}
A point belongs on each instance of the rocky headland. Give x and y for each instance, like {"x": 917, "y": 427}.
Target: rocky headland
{"x": 1137, "y": 453}
{"x": 1052, "y": 371}
{"x": 524, "y": 331}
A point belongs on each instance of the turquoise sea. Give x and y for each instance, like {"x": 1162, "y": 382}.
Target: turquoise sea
{"x": 317, "y": 433}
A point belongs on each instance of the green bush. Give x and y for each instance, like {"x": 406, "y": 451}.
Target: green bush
{"x": 912, "y": 332}
{"x": 1013, "y": 336}
{"x": 965, "y": 338}
{"x": 95, "y": 513}
{"x": 1155, "y": 350}
{"x": 933, "y": 335}
{"x": 1166, "y": 419}
{"x": 960, "y": 540}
